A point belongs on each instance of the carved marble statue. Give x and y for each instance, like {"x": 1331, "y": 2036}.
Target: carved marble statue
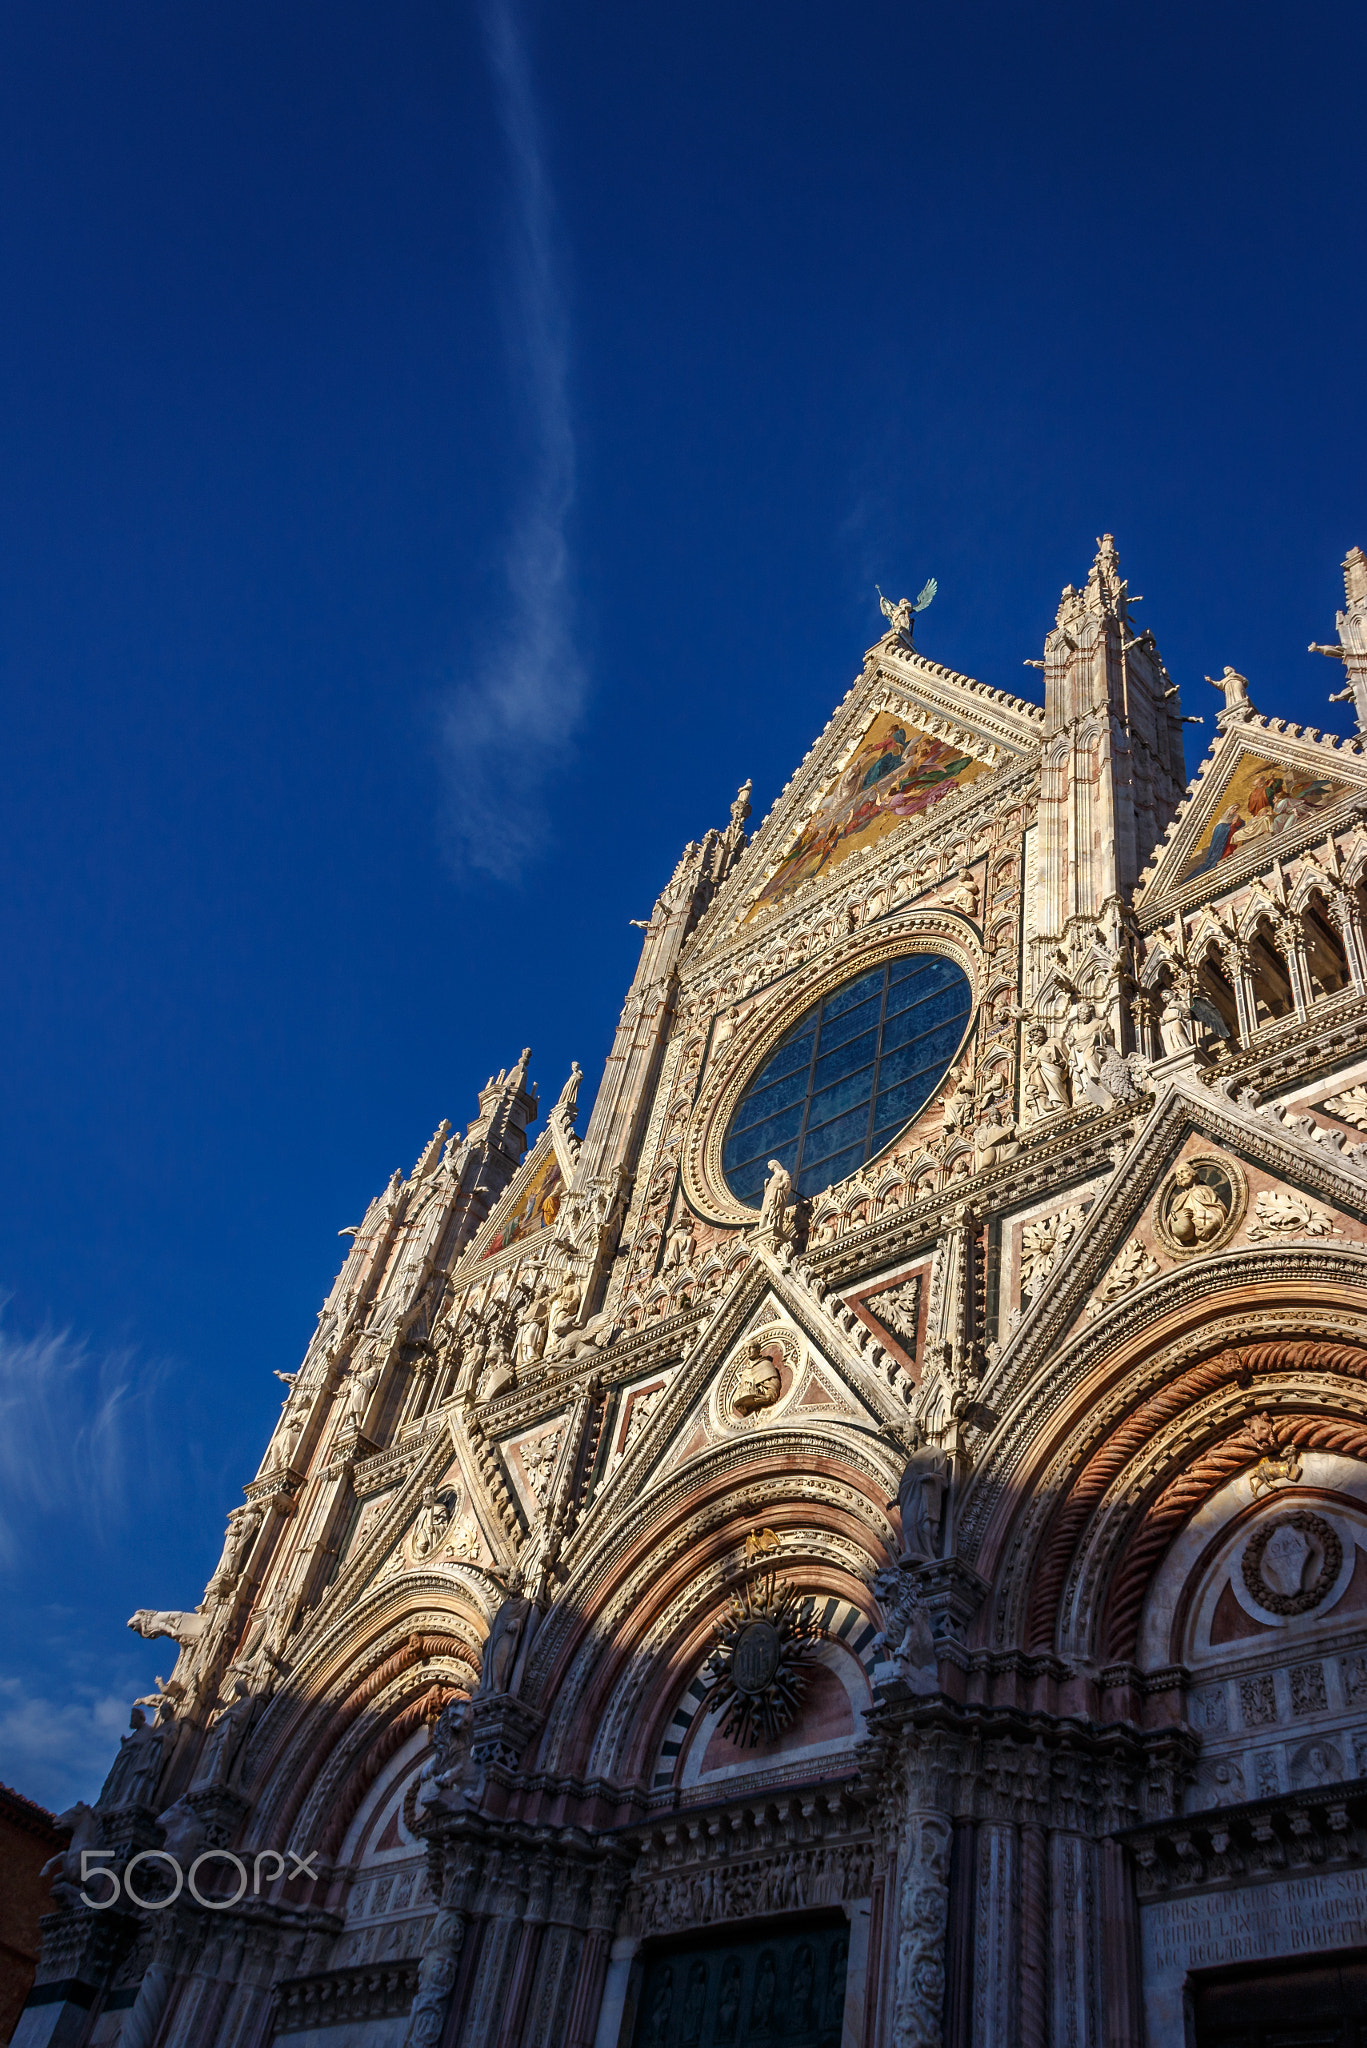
{"x": 1174, "y": 1023}
{"x": 776, "y": 1212}
{"x": 1235, "y": 688}
{"x": 227, "y": 1731}
{"x": 964, "y": 895}
{"x": 499, "y": 1371}
{"x": 64, "y": 1869}
{"x": 185, "y": 1629}
{"x": 1089, "y": 1036}
{"x": 436, "y": 1981}
{"x": 1048, "y": 1086}
{"x": 133, "y": 1779}
{"x": 530, "y": 1343}
{"x": 921, "y": 1499}
{"x": 361, "y": 1383}
{"x": 431, "y": 1524}
{"x": 567, "y": 1102}
{"x": 906, "y": 1641}
{"x": 995, "y": 1138}
{"x": 450, "y": 1755}
{"x": 569, "y": 1338}
{"x": 182, "y": 1832}
{"x": 760, "y": 1382}
{"x": 679, "y": 1243}
{"x": 515, "y": 1617}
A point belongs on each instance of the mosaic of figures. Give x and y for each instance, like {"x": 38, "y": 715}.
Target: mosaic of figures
{"x": 897, "y": 773}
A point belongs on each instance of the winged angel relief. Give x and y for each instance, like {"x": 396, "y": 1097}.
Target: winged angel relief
{"x": 895, "y": 773}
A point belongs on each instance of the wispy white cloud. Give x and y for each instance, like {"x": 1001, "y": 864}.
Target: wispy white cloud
{"x": 68, "y": 1423}
{"x": 527, "y": 691}
{"x": 57, "y": 1751}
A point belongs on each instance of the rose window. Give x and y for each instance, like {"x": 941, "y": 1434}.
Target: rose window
{"x": 849, "y": 1076}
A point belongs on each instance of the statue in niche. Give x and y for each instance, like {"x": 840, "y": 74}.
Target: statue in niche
{"x": 1047, "y": 1084}
{"x": 133, "y": 1779}
{"x": 960, "y": 1105}
{"x": 679, "y": 1244}
{"x": 432, "y": 1522}
{"x": 1089, "y": 1040}
{"x": 361, "y": 1382}
{"x": 1197, "y": 1211}
{"x": 995, "y": 1138}
{"x": 511, "y": 1624}
{"x": 530, "y": 1344}
{"x": 227, "y": 1731}
{"x": 921, "y": 1501}
{"x": 964, "y": 895}
{"x": 1174, "y": 1023}
{"x": 499, "y": 1372}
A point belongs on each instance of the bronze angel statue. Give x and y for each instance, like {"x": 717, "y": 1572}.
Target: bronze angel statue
{"x": 901, "y": 616}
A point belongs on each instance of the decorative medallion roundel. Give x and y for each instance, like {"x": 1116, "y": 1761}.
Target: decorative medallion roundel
{"x": 1290, "y": 1564}
{"x": 762, "y": 1373}
{"x": 755, "y": 1657}
{"x": 848, "y": 1075}
{"x": 1200, "y": 1205}
{"x": 757, "y": 1672}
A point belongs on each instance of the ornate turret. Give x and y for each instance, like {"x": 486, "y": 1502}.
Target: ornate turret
{"x": 1112, "y": 766}
{"x": 1352, "y": 642}
{"x": 491, "y": 1151}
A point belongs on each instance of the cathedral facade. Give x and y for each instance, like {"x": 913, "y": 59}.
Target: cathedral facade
{"x": 866, "y": 1546}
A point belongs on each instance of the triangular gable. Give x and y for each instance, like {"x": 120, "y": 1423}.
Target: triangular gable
{"x": 1273, "y": 1188}
{"x": 1265, "y": 790}
{"x": 528, "y": 1206}
{"x": 698, "y": 1412}
{"x": 897, "y": 771}
{"x": 946, "y": 719}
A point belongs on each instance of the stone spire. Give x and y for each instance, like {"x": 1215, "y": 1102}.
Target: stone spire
{"x": 492, "y": 1148}
{"x": 1352, "y": 641}
{"x": 1113, "y": 772}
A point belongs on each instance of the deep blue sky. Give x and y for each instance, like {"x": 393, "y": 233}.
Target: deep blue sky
{"x": 442, "y": 453}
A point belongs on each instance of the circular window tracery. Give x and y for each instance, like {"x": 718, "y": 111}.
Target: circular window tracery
{"x": 849, "y": 1075}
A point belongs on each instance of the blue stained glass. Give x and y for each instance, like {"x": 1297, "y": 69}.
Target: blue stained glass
{"x": 826, "y": 1172}
{"x": 852, "y": 993}
{"x": 765, "y": 1102}
{"x": 791, "y": 1057}
{"x": 854, "y": 1023}
{"x": 839, "y": 1132}
{"x": 858, "y": 1052}
{"x": 848, "y": 1076}
{"x": 759, "y": 1138}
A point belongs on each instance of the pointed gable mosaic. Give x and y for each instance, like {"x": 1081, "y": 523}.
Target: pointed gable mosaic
{"x": 897, "y": 772}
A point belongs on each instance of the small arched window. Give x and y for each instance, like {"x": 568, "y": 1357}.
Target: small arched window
{"x": 849, "y": 1076}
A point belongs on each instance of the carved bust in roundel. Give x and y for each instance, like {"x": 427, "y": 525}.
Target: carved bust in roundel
{"x": 760, "y": 1382}
{"x": 1200, "y": 1205}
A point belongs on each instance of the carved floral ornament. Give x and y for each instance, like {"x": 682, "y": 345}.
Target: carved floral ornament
{"x": 1290, "y": 1565}
{"x": 728, "y": 1073}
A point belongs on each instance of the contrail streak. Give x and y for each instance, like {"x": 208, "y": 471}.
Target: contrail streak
{"x": 528, "y": 691}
